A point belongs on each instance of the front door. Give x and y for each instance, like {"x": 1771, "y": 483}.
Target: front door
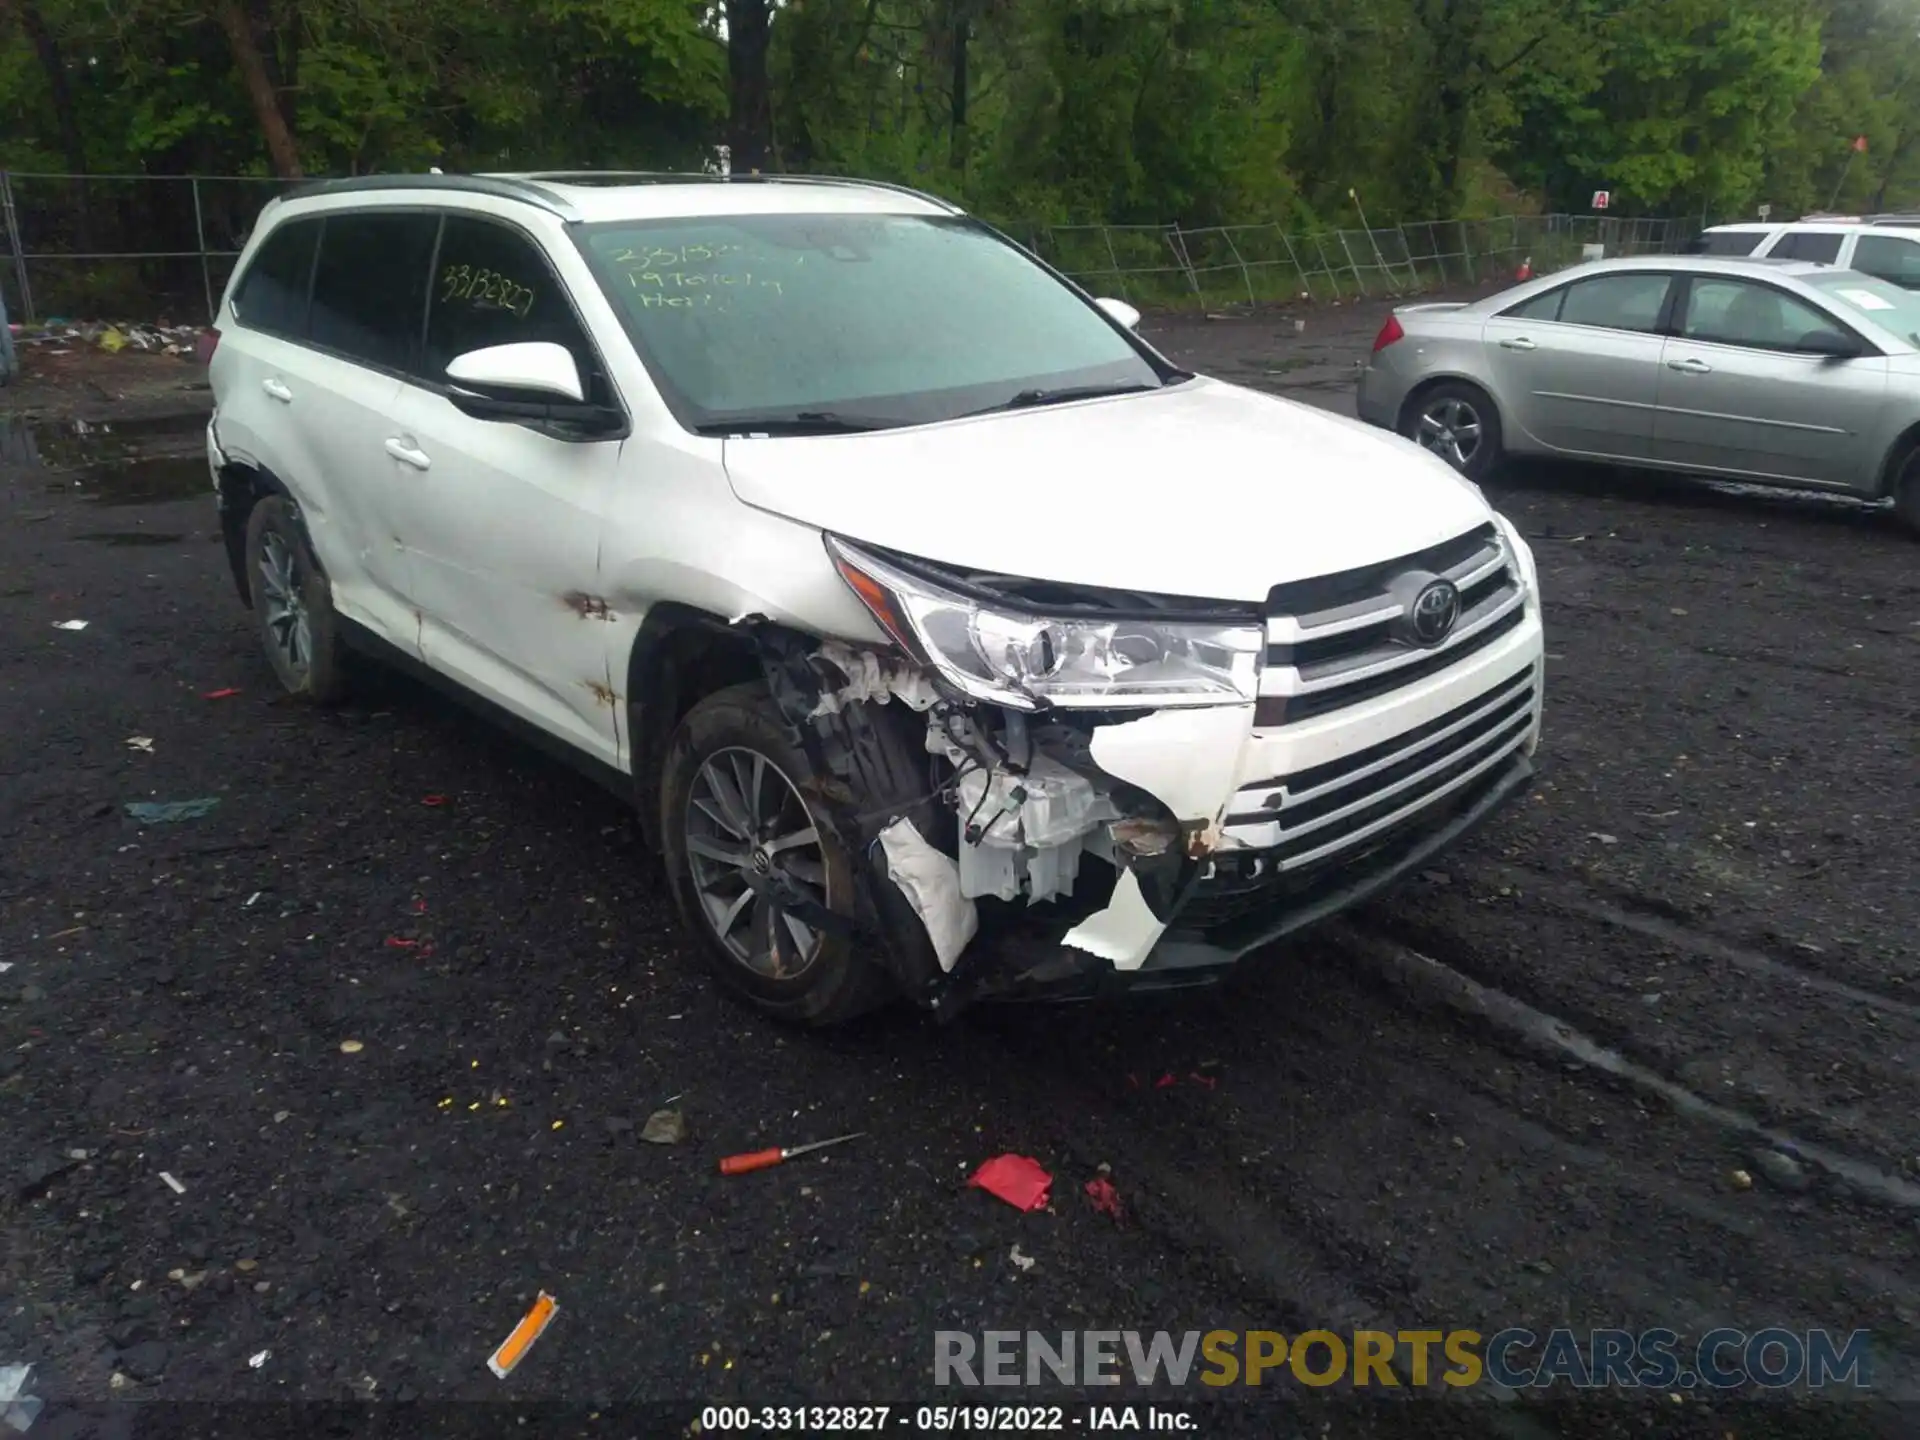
{"x": 1578, "y": 368}
{"x": 502, "y": 520}
{"x": 1739, "y": 395}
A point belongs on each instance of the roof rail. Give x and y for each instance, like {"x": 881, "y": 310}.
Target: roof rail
{"x": 1894, "y": 219}
{"x": 696, "y": 177}
{"x": 501, "y": 187}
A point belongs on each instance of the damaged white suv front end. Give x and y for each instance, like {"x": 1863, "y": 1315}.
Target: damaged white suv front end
{"x": 1135, "y": 788}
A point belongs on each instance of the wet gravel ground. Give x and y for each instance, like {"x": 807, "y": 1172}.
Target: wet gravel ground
{"x": 393, "y": 1013}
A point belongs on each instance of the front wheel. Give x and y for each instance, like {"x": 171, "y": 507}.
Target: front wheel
{"x": 749, "y": 863}
{"x": 1457, "y": 422}
{"x": 1906, "y": 493}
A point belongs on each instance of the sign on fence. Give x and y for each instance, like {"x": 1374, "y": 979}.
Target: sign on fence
{"x": 1602, "y": 199}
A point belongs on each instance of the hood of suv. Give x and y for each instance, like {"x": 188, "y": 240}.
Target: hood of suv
{"x": 1202, "y": 489}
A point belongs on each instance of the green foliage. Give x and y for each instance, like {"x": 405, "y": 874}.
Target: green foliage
{"x": 1142, "y": 111}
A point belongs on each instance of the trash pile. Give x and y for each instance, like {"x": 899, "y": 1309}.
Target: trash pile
{"x": 62, "y": 336}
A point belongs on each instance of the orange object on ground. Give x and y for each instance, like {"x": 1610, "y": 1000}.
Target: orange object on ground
{"x": 532, "y": 1325}
{"x": 1015, "y": 1179}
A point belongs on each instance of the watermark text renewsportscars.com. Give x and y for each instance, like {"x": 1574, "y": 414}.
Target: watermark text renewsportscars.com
{"x": 1773, "y": 1358}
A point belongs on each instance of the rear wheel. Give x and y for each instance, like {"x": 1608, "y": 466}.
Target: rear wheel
{"x": 746, "y": 854}
{"x": 1457, "y": 422}
{"x": 293, "y": 604}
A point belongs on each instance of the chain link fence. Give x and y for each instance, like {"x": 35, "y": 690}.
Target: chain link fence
{"x": 160, "y": 247}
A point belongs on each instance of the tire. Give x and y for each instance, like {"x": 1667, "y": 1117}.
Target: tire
{"x": 1906, "y": 493}
{"x": 293, "y": 604}
{"x": 1436, "y": 418}
{"x": 805, "y": 976}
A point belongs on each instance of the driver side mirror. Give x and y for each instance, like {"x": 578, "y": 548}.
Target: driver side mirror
{"x": 530, "y": 381}
{"x": 1121, "y": 311}
{"x": 1830, "y": 345}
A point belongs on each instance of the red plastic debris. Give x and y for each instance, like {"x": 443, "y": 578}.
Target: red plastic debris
{"x": 1105, "y": 1198}
{"x": 1015, "y": 1179}
{"x": 419, "y": 907}
{"x": 226, "y": 694}
{"x": 433, "y": 799}
{"x": 1166, "y": 1082}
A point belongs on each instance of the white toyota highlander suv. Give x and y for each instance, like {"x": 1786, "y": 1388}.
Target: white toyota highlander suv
{"x": 949, "y": 641}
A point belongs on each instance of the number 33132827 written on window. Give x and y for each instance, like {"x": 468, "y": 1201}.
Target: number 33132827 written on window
{"x": 485, "y": 289}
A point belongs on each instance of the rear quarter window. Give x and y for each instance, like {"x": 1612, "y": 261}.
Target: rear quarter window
{"x": 272, "y": 294}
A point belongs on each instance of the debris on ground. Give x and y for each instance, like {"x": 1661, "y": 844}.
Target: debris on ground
{"x": 351, "y": 1047}
{"x": 1105, "y": 1198}
{"x": 226, "y": 694}
{"x": 1782, "y": 1170}
{"x": 69, "y": 624}
{"x": 142, "y": 743}
{"x": 1016, "y": 1179}
{"x": 532, "y": 1326}
{"x": 1741, "y": 1179}
{"x": 1025, "y": 1262}
{"x": 258, "y": 1358}
{"x": 664, "y": 1127}
{"x": 17, "y": 1408}
{"x": 766, "y": 1159}
{"x": 173, "y": 1184}
{"x": 168, "y": 812}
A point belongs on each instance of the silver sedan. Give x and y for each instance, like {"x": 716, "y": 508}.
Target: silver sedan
{"x": 1769, "y": 371}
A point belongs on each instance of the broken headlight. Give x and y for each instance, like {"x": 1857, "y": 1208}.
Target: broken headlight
{"x": 1519, "y": 555}
{"x": 999, "y": 653}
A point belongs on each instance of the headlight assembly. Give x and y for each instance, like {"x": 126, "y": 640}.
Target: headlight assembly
{"x": 1026, "y": 661}
{"x": 1519, "y": 555}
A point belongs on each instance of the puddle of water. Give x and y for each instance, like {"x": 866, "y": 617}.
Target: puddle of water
{"x": 144, "y": 461}
{"x": 137, "y": 481}
{"x": 130, "y": 537}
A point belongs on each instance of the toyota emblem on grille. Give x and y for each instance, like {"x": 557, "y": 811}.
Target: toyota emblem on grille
{"x": 1433, "y": 612}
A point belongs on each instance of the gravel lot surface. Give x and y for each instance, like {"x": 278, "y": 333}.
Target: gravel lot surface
{"x": 393, "y": 1013}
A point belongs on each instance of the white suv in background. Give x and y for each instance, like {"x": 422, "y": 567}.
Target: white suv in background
{"x": 948, "y": 639}
{"x": 1884, "y": 246}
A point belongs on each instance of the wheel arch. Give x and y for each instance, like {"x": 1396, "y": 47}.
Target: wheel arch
{"x": 680, "y": 655}
{"x": 1429, "y": 383}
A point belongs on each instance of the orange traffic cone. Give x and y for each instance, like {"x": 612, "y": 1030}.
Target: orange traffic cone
{"x": 1525, "y": 272}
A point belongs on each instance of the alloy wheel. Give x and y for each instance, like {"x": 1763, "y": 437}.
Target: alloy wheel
{"x": 284, "y": 602}
{"x": 1450, "y": 428}
{"x": 748, "y": 830}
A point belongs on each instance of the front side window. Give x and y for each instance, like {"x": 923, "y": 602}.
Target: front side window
{"x": 1821, "y": 247}
{"x": 1890, "y": 257}
{"x": 1630, "y": 301}
{"x": 869, "y": 319}
{"x": 1740, "y": 312}
{"x": 493, "y": 286}
{"x": 272, "y": 295}
{"x": 370, "y": 287}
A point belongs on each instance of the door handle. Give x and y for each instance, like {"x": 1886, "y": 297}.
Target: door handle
{"x": 1518, "y": 342}
{"x": 1690, "y": 366}
{"x": 407, "y": 455}
{"x": 278, "y": 391}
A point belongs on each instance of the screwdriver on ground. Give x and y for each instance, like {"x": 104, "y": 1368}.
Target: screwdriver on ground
{"x": 766, "y": 1159}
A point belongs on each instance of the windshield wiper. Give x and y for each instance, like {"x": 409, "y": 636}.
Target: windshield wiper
{"x": 796, "y": 422}
{"x": 1029, "y": 399}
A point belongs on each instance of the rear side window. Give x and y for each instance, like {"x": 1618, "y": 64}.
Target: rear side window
{"x": 1757, "y": 317}
{"x": 1617, "y": 302}
{"x": 493, "y": 286}
{"x": 1726, "y": 242}
{"x": 1540, "y": 307}
{"x": 1823, "y": 248}
{"x": 370, "y": 287}
{"x": 1890, "y": 258}
{"x": 272, "y": 295}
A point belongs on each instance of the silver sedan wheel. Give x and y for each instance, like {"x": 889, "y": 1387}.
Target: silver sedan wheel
{"x": 746, "y": 825}
{"x": 1450, "y": 427}
{"x": 283, "y": 598}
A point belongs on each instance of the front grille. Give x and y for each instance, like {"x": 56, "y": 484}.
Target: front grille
{"x": 1334, "y": 641}
{"x": 1336, "y": 811}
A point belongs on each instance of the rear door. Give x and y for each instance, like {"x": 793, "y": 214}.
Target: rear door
{"x": 1740, "y": 395}
{"x": 1578, "y": 368}
{"x": 502, "y": 520}
{"x": 369, "y": 301}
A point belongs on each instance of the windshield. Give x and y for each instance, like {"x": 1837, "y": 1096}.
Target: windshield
{"x": 870, "y": 320}
{"x": 1887, "y": 306}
